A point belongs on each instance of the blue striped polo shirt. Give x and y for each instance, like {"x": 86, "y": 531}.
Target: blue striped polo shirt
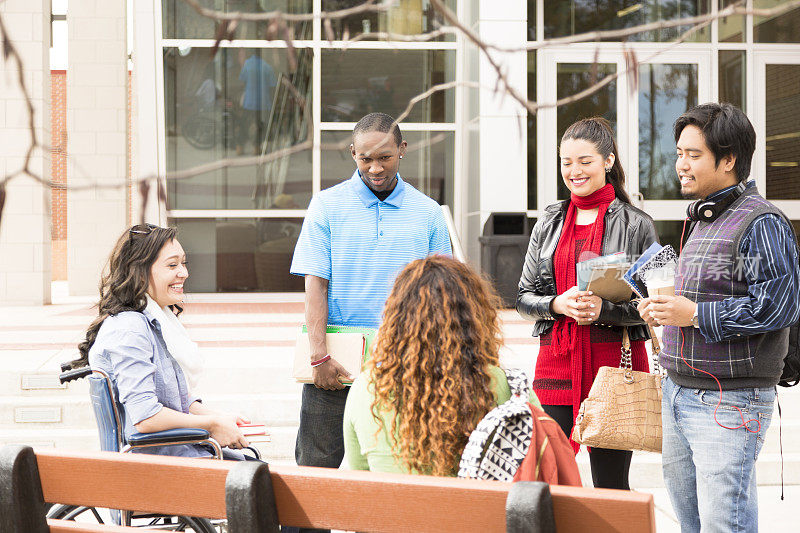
{"x": 360, "y": 244}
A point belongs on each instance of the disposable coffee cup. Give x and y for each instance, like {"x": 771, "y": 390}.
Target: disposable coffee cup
{"x": 660, "y": 281}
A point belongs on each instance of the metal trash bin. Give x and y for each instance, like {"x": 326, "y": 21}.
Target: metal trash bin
{"x": 503, "y": 247}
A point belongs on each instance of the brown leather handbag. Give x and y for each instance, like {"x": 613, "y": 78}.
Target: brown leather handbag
{"x": 623, "y": 409}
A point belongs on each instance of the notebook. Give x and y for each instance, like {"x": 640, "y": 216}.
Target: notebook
{"x": 606, "y": 281}
{"x": 348, "y": 345}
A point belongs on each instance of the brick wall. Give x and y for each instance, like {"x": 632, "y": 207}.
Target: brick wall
{"x": 25, "y": 234}
{"x": 58, "y": 169}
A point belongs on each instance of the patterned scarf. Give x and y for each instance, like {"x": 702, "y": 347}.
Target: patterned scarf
{"x": 570, "y": 339}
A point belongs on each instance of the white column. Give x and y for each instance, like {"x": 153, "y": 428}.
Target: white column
{"x": 148, "y": 127}
{"x": 25, "y": 226}
{"x": 96, "y": 125}
{"x": 503, "y": 121}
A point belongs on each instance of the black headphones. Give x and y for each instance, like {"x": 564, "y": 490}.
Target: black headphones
{"x": 709, "y": 210}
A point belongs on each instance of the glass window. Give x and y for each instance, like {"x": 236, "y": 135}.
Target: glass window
{"x": 406, "y": 17}
{"x": 783, "y": 131}
{"x": 669, "y": 232}
{"x": 731, "y": 29}
{"x": 532, "y": 170}
{"x": 665, "y": 91}
{"x": 240, "y": 255}
{"x": 357, "y": 82}
{"x": 780, "y": 29}
{"x": 531, "y": 20}
{"x": 570, "y": 17}
{"x": 236, "y": 104}
{"x": 796, "y": 226}
{"x": 573, "y": 78}
{"x": 732, "y": 83}
{"x": 181, "y": 21}
{"x": 427, "y": 165}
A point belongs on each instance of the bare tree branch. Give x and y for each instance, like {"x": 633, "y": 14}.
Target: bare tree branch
{"x": 613, "y": 35}
{"x": 369, "y": 6}
{"x": 278, "y": 28}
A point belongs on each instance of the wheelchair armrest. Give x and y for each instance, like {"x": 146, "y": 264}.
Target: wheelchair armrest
{"x": 169, "y": 436}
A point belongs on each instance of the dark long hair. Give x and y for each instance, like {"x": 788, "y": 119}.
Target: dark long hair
{"x": 123, "y": 286}
{"x": 431, "y": 362}
{"x": 597, "y": 131}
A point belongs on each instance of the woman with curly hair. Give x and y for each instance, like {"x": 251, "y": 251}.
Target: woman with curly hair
{"x": 137, "y": 340}
{"x": 433, "y": 375}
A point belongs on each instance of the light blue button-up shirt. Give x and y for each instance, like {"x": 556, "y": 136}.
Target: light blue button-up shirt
{"x": 359, "y": 244}
{"x": 146, "y": 378}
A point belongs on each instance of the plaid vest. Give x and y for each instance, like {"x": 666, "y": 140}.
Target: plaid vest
{"x": 710, "y": 268}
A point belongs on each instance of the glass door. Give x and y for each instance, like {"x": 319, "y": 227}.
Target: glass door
{"x": 641, "y": 113}
{"x": 776, "y": 166}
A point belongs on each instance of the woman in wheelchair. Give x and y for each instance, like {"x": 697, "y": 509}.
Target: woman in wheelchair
{"x": 138, "y": 342}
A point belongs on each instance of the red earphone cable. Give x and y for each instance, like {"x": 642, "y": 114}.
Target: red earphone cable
{"x": 744, "y": 423}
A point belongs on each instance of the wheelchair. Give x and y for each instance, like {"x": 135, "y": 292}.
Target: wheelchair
{"x": 109, "y": 414}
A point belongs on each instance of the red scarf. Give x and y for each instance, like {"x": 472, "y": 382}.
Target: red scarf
{"x": 570, "y": 339}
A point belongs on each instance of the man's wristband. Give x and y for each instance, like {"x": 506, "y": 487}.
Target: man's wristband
{"x": 320, "y": 361}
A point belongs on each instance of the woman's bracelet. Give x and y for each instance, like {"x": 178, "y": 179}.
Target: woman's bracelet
{"x": 320, "y": 361}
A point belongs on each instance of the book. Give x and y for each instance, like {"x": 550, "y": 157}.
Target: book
{"x": 583, "y": 269}
{"x": 348, "y": 345}
{"x": 252, "y": 430}
{"x": 606, "y": 281}
{"x": 655, "y": 256}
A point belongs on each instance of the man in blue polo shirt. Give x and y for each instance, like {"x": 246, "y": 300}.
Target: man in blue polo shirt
{"x": 356, "y": 238}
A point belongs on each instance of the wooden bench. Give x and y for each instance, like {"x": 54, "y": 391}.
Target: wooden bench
{"x": 255, "y": 497}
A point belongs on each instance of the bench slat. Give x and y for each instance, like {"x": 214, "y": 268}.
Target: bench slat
{"x": 579, "y": 509}
{"x": 371, "y": 501}
{"x": 136, "y": 482}
{"x": 66, "y": 526}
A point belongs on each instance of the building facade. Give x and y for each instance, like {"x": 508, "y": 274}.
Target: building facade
{"x": 473, "y": 147}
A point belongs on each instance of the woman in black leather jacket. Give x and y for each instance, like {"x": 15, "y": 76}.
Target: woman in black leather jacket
{"x": 598, "y": 219}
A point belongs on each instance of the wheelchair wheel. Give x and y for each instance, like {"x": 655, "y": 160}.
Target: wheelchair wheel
{"x": 104, "y": 516}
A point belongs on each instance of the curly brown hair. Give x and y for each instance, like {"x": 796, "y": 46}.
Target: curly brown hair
{"x": 430, "y": 365}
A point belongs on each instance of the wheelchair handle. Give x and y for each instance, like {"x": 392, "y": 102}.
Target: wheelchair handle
{"x": 72, "y": 375}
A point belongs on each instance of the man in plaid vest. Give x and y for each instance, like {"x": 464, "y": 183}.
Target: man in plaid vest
{"x": 726, "y": 329}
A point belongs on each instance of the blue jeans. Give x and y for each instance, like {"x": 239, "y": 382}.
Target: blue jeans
{"x": 709, "y": 471}
{"x": 320, "y": 438}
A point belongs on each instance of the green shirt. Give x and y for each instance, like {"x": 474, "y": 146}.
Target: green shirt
{"x": 364, "y": 449}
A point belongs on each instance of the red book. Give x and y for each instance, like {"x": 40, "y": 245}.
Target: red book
{"x": 250, "y": 430}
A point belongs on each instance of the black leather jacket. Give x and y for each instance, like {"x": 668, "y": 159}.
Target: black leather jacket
{"x": 626, "y": 229}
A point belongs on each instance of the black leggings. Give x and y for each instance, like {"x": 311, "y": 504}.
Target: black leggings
{"x": 609, "y": 467}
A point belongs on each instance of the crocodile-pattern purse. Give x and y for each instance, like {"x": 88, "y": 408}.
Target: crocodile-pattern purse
{"x": 623, "y": 409}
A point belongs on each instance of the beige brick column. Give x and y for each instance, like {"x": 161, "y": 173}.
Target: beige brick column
{"x": 25, "y": 226}
{"x": 96, "y": 125}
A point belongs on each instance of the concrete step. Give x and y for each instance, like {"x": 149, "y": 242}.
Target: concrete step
{"x": 75, "y": 411}
{"x": 83, "y": 439}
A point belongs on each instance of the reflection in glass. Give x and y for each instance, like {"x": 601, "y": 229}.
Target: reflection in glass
{"x": 665, "y": 91}
{"x": 357, "y": 82}
{"x": 573, "y": 78}
{"x": 732, "y": 83}
{"x": 531, "y": 22}
{"x": 783, "y": 132}
{"x": 406, "y": 17}
{"x": 731, "y": 29}
{"x": 780, "y": 29}
{"x": 427, "y": 165}
{"x": 669, "y": 232}
{"x": 570, "y": 17}
{"x": 240, "y": 254}
{"x": 181, "y": 21}
{"x": 532, "y": 137}
{"x": 234, "y": 104}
